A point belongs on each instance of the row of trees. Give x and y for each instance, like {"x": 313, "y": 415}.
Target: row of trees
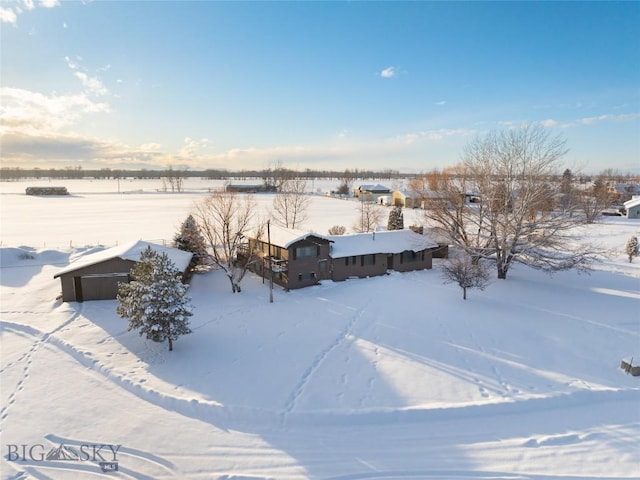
{"x": 275, "y": 170}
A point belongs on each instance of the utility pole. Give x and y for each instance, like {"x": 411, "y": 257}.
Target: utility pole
{"x": 270, "y": 262}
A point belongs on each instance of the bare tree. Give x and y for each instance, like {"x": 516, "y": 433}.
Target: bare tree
{"x": 346, "y": 183}
{"x": 511, "y": 219}
{"x": 173, "y": 178}
{"x": 370, "y": 216}
{"x": 225, "y": 219}
{"x": 291, "y": 204}
{"x": 337, "y": 230}
{"x": 592, "y": 201}
{"x": 465, "y": 273}
{"x": 275, "y": 176}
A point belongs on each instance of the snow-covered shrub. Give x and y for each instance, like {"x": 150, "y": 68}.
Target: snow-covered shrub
{"x": 632, "y": 248}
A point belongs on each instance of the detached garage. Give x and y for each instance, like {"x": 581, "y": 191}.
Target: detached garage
{"x": 96, "y": 276}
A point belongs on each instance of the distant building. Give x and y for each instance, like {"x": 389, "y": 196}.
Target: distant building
{"x": 624, "y": 191}
{"x": 46, "y": 191}
{"x": 249, "y": 188}
{"x": 633, "y": 207}
{"x": 405, "y": 198}
{"x": 370, "y": 192}
{"x": 96, "y": 276}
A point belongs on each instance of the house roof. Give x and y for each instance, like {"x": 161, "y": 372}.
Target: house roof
{"x": 374, "y": 188}
{"x": 634, "y": 202}
{"x": 129, "y": 251}
{"x": 627, "y": 188}
{"x": 285, "y": 237}
{"x": 390, "y": 241}
{"x": 405, "y": 193}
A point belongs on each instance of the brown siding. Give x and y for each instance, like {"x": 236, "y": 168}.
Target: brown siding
{"x": 422, "y": 261}
{"x": 342, "y": 271}
{"x": 441, "y": 251}
{"x": 306, "y": 271}
{"x": 95, "y": 288}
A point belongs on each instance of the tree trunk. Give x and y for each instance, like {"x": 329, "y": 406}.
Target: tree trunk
{"x": 170, "y": 344}
{"x": 502, "y": 271}
{"x": 464, "y": 293}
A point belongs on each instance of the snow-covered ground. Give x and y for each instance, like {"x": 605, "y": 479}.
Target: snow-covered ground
{"x": 387, "y": 377}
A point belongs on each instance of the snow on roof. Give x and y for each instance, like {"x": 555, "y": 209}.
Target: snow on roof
{"x": 374, "y": 188}
{"x": 391, "y": 241}
{"x": 634, "y": 202}
{"x": 129, "y": 251}
{"x": 285, "y": 237}
{"x": 406, "y": 193}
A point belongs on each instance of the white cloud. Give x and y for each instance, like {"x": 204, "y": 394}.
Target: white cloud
{"x": 549, "y": 123}
{"x": 92, "y": 84}
{"x": 8, "y": 16}
{"x": 49, "y": 3}
{"x": 609, "y": 118}
{"x": 436, "y": 135}
{"x": 71, "y": 64}
{"x": 192, "y": 148}
{"x": 441, "y": 102}
{"x": 585, "y": 121}
{"x": 27, "y": 111}
{"x": 389, "y": 72}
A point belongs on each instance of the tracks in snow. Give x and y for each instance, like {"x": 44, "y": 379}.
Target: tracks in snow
{"x": 320, "y": 358}
{"x": 27, "y": 358}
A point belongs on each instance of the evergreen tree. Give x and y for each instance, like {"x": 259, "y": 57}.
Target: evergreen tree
{"x": 155, "y": 300}
{"x": 396, "y": 219}
{"x": 632, "y": 248}
{"x": 190, "y": 239}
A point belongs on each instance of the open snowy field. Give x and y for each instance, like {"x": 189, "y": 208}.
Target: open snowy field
{"x": 392, "y": 377}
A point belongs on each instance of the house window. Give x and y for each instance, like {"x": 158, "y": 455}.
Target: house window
{"x": 408, "y": 256}
{"x": 306, "y": 276}
{"x": 368, "y": 260}
{"x": 322, "y": 266}
{"x": 306, "y": 252}
{"x": 350, "y": 260}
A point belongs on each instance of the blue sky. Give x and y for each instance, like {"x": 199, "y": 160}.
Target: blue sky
{"x": 320, "y": 85}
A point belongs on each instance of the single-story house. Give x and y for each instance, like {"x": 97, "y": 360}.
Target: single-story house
{"x": 633, "y": 207}
{"x": 96, "y": 276}
{"x": 370, "y": 192}
{"x": 300, "y": 259}
{"x": 372, "y": 254}
{"x": 297, "y": 258}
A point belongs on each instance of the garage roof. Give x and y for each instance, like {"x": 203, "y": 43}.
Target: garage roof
{"x": 129, "y": 251}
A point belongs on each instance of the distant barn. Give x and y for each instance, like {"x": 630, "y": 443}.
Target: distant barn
{"x": 46, "y": 191}
{"x": 249, "y": 188}
{"x": 96, "y": 276}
